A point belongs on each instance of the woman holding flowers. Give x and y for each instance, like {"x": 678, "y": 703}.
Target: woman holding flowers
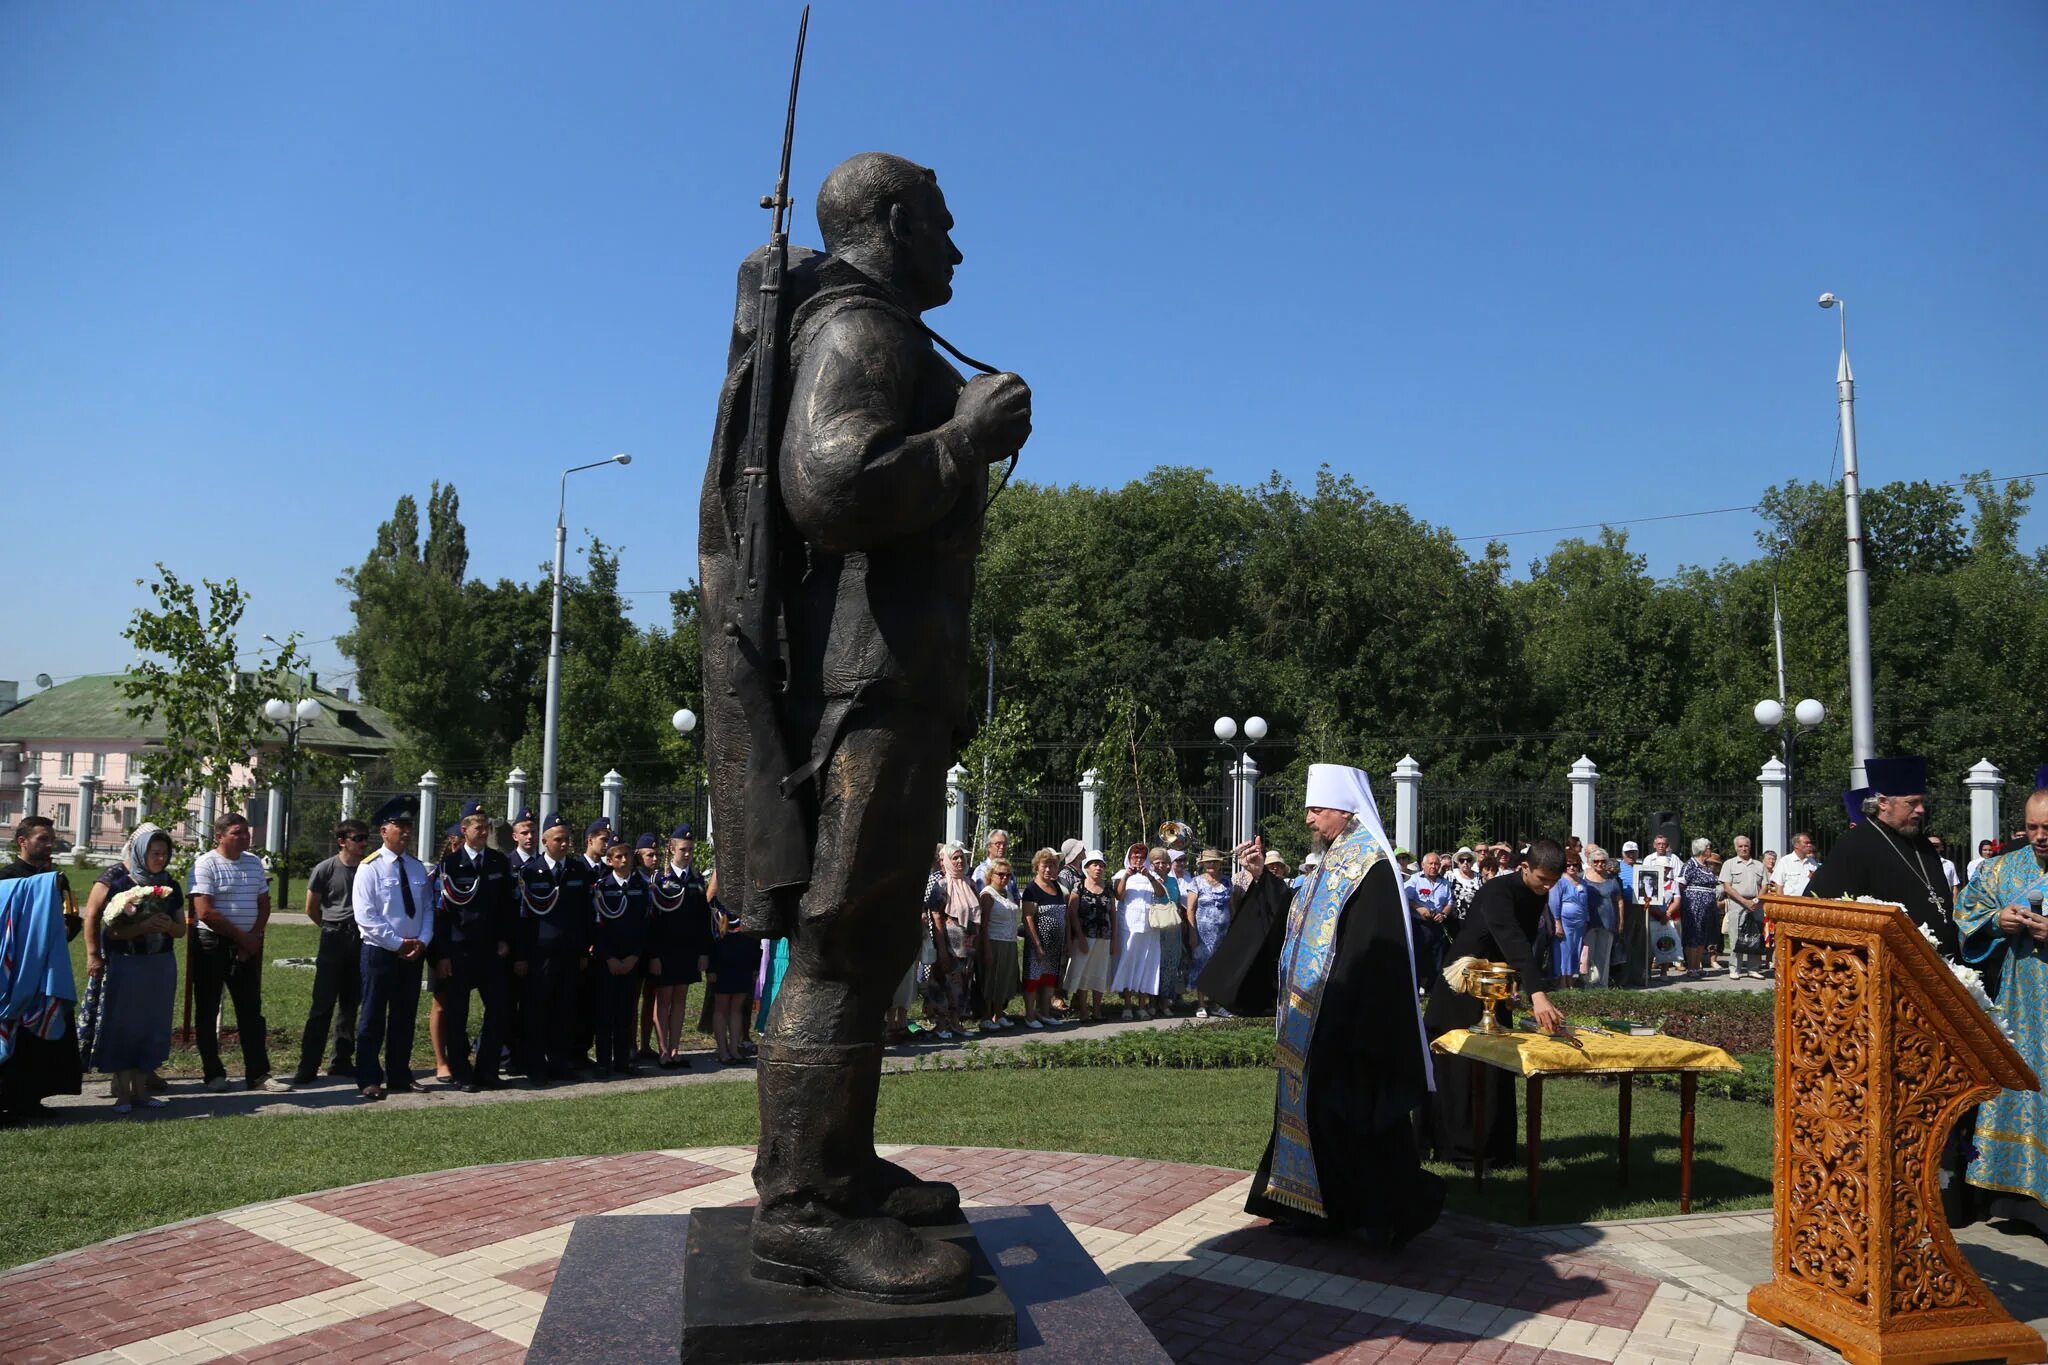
{"x": 133, "y": 919}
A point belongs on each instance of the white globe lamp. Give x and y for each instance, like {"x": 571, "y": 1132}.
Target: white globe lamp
{"x": 1810, "y": 713}
{"x": 1769, "y": 712}
{"x": 1226, "y": 729}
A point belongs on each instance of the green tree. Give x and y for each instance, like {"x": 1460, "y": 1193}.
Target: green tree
{"x": 189, "y": 682}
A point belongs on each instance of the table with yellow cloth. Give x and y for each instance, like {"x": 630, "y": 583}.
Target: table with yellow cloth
{"x": 1539, "y": 1056}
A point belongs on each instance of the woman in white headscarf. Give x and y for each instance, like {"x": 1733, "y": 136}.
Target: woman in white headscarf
{"x": 138, "y": 964}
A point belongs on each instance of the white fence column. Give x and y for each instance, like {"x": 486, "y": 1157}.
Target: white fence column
{"x": 1407, "y": 803}
{"x": 1091, "y": 808}
{"x": 956, "y": 805}
{"x": 1585, "y": 775}
{"x": 273, "y": 819}
{"x": 143, "y": 799}
{"x": 209, "y": 806}
{"x": 32, "y": 791}
{"x": 86, "y": 821}
{"x": 351, "y": 794}
{"x": 428, "y": 837}
{"x": 1247, "y": 799}
{"x": 1984, "y": 782}
{"x": 614, "y": 787}
{"x": 1777, "y": 801}
{"x": 515, "y": 794}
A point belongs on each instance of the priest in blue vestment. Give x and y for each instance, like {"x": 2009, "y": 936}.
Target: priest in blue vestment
{"x": 2005, "y": 935}
{"x": 1353, "y": 1063}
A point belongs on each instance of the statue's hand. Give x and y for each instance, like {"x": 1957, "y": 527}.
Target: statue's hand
{"x": 996, "y": 410}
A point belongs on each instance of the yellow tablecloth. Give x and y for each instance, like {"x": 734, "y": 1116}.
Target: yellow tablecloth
{"x": 1531, "y": 1054}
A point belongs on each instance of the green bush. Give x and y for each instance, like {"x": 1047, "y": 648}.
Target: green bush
{"x": 1189, "y": 1046}
{"x": 1739, "y": 1021}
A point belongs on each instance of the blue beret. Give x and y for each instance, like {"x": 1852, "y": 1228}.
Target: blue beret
{"x": 596, "y": 827}
{"x": 454, "y": 831}
{"x": 682, "y": 831}
{"x": 473, "y": 808}
{"x": 555, "y": 821}
{"x": 646, "y": 841}
{"x": 525, "y": 813}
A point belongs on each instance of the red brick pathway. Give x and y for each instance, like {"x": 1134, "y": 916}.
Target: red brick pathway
{"x": 456, "y": 1266}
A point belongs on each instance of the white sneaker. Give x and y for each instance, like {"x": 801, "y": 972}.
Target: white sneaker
{"x": 220, "y": 1085}
{"x": 1202, "y": 1012}
{"x": 1221, "y": 1013}
{"x": 277, "y": 1085}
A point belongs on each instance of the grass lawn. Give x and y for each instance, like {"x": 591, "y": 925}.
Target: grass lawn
{"x": 68, "y": 1186}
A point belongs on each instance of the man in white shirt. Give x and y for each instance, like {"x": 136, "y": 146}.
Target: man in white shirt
{"x": 1657, "y": 889}
{"x": 394, "y": 912}
{"x": 1796, "y": 868}
{"x": 231, "y": 903}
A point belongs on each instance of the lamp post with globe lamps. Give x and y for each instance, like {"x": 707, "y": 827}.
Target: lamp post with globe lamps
{"x": 294, "y": 719}
{"x": 1226, "y": 734}
{"x": 1771, "y": 714}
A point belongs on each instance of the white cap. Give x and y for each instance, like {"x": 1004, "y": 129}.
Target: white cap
{"x": 1093, "y": 855}
{"x": 1332, "y": 786}
{"x": 1631, "y": 846}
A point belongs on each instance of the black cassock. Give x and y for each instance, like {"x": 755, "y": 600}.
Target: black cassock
{"x": 1500, "y": 927}
{"x": 1874, "y": 860}
{"x": 1366, "y": 1075}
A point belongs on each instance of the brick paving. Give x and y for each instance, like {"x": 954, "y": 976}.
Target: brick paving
{"x": 456, "y": 1266}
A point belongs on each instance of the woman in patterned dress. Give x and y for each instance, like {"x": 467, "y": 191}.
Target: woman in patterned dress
{"x": 1044, "y": 928}
{"x": 1214, "y": 899}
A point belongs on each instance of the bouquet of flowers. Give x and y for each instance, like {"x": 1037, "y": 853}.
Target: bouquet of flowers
{"x": 131, "y": 907}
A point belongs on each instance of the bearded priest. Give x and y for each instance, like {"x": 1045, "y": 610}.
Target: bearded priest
{"x": 1354, "y": 1065}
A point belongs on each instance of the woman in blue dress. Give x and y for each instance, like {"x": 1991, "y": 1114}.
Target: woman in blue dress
{"x": 1570, "y": 914}
{"x": 1699, "y": 903}
{"x": 1213, "y": 897}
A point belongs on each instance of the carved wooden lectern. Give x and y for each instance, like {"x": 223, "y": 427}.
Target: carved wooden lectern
{"x": 1879, "y": 1051}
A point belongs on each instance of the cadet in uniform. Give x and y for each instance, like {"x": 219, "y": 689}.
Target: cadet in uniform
{"x": 678, "y": 943}
{"x": 554, "y": 928}
{"x": 517, "y": 857}
{"x": 618, "y": 903}
{"x": 475, "y": 925}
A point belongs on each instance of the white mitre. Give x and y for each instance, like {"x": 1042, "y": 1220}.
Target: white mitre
{"x": 1332, "y": 786}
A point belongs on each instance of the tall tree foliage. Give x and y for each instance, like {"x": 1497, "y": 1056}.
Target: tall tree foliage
{"x": 189, "y": 679}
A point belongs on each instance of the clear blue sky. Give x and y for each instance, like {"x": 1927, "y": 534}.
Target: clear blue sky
{"x": 265, "y": 267}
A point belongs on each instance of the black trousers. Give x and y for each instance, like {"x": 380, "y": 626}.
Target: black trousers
{"x": 549, "y": 1012}
{"x": 337, "y": 991}
{"x": 390, "y": 1014}
{"x": 216, "y": 969}
{"x": 618, "y": 999}
{"x": 484, "y": 973}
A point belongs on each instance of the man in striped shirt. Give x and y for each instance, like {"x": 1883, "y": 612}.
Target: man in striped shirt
{"x": 231, "y": 904}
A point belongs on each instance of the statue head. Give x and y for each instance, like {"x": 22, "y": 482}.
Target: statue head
{"x": 886, "y": 217}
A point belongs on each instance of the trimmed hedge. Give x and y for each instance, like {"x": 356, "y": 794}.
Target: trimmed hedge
{"x": 1186, "y": 1046}
{"x": 1739, "y": 1021}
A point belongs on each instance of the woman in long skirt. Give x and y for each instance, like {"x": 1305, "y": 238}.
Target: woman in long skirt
{"x": 139, "y": 988}
{"x": 1213, "y": 895}
{"x": 1137, "y": 968}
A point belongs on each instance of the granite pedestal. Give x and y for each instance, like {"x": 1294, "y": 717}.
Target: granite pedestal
{"x": 621, "y": 1290}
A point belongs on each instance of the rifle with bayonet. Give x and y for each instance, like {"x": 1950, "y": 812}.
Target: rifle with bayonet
{"x": 778, "y": 839}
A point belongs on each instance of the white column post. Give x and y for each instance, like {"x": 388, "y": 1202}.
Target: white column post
{"x": 1091, "y": 808}
{"x": 1984, "y": 782}
{"x": 1585, "y": 775}
{"x": 142, "y": 798}
{"x": 428, "y": 837}
{"x": 1247, "y": 799}
{"x": 273, "y": 819}
{"x": 82, "y": 824}
{"x": 515, "y": 793}
{"x": 32, "y": 789}
{"x": 1777, "y": 801}
{"x": 1407, "y": 802}
{"x": 209, "y": 806}
{"x": 351, "y": 794}
{"x": 614, "y": 786}
{"x": 956, "y": 804}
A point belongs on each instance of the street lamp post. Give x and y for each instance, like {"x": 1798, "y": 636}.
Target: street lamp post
{"x": 1862, "y": 722}
{"x": 1226, "y": 735}
{"x": 552, "y": 721}
{"x": 294, "y": 719}
{"x": 685, "y": 723}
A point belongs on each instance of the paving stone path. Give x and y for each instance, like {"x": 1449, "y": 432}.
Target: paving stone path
{"x": 456, "y": 1265}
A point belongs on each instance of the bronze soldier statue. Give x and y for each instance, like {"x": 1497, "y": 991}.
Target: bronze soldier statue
{"x": 837, "y": 561}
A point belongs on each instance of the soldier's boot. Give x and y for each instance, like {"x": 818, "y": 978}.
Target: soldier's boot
{"x": 816, "y": 1223}
{"x": 890, "y": 1189}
